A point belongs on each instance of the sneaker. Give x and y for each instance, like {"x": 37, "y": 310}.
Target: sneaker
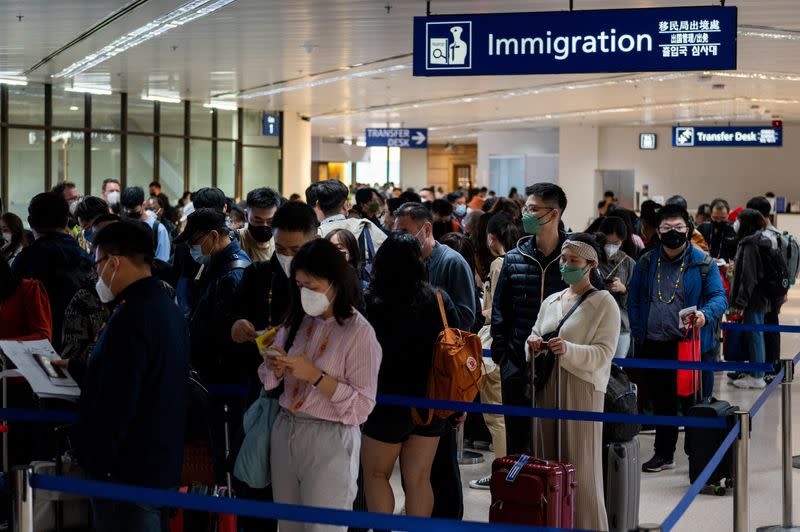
{"x": 658, "y": 463}
{"x": 751, "y": 382}
{"x": 481, "y": 483}
{"x": 736, "y": 375}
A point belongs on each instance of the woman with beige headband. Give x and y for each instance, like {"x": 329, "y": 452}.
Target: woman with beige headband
{"x": 584, "y": 347}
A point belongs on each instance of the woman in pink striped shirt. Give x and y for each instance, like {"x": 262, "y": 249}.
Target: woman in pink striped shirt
{"x": 330, "y": 378}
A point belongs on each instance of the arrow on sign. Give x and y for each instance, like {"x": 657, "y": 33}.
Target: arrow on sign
{"x": 419, "y": 137}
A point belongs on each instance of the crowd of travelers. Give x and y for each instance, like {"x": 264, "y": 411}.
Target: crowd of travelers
{"x": 315, "y": 305}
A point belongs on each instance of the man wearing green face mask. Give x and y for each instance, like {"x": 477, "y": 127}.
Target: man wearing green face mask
{"x": 530, "y": 274}
{"x": 368, "y": 206}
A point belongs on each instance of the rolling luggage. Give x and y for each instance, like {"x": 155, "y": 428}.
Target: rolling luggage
{"x": 701, "y": 444}
{"x": 622, "y": 481}
{"x": 528, "y": 491}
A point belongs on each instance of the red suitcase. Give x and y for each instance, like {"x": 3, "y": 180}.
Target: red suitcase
{"x": 528, "y": 491}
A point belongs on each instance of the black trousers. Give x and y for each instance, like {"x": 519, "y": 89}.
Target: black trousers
{"x": 663, "y": 388}
{"x": 448, "y": 497}
{"x": 513, "y": 384}
{"x": 772, "y": 340}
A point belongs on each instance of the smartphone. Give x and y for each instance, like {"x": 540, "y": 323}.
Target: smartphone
{"x": 272, "y": 353}
{"x": 54, "y": 372}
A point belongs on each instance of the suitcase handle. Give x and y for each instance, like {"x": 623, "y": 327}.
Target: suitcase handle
{"x": 534, "y": 432}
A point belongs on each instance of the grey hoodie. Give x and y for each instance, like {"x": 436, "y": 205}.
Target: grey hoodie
{"x": 748, "y": 273}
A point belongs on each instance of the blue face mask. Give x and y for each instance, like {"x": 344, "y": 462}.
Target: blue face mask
{"x": 197, "y": 254}
{"x": 461, "y": 210}
{"x": 88, "y": 234}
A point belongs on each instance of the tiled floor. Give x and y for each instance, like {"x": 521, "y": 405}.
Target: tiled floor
{"x": 661, "y": 492}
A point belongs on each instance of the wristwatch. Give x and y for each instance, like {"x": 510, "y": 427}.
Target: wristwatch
{"x": 319, "y": 380}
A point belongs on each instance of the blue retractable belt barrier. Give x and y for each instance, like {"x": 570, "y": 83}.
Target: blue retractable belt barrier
{"x": 746, "y": 327}
{"x": 547, "y": 413}
{"x": 765, "y": 395}
{"x": 700, "y": 482}
{"x": 648, "y": 363}
{"x": 37, "y": 416}
{"x": 264, "y": 510}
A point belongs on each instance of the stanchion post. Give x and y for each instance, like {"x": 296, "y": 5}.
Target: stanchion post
{"x": 23, "y": 500}
{"x": 741, "y": 510}
{"x": 465, "y": 457}
{"x": 786, "y": 433}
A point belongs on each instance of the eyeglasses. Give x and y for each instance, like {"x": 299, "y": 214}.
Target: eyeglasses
{"x": 667, "y": 228}
{"x": 533, "y": 209}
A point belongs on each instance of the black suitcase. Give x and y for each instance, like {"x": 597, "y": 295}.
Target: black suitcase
{"x": 702, "y": 443}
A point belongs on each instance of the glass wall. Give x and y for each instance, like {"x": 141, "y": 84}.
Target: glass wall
{"x": 153, "y": 146}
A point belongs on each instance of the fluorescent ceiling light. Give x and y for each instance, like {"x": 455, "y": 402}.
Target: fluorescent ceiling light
{"x": 160, "y": 98}
{"x": 90, "y": 90}
{"x": 224, "y": 105}
{"x": 290, "y": 87}
{"x": 185, "y": 13}
{"x": 767, "y": 32}
{"x": 13, "y": 80}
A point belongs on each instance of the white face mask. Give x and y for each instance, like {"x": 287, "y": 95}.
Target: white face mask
{"x": 314, "y": 303}
{"x": 736, "y": 226}
{"x": 611, "y": 249}
{"x": 286, "y": 263}
{"x": 103, "y": 290}
{"x": 113, "y": 198}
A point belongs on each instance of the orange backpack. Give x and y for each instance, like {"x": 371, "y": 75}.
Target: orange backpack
{"x": 456, "y": 369}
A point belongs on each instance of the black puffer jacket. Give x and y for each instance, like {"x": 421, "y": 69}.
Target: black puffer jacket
{"x": 526, "y": 279}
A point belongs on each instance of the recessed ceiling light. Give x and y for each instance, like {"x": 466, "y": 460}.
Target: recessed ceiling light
{"x": 185, "y": 13}
{"x": 164, "y": 99}
{"x": 223, "y": 105}
{"x": 73, "y": 107}
{"x": 13, "y": 80}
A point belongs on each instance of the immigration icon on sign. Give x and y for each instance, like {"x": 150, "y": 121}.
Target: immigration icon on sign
{"x": 449, "y": 45}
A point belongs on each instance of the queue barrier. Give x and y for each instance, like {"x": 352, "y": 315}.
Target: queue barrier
{"x": 26, "y": 480}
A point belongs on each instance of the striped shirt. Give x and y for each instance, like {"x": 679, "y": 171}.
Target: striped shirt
{"x": 349, "y": 353}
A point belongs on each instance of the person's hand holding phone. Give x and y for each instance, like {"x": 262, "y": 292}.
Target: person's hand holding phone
{"x": 275, "y": 359}
{"x": 615, "y": 286}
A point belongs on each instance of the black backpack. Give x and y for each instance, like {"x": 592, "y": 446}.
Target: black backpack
{"x": 621, "y": 398}
{"x": 776, "y": 280}
{"x": 367, "y": 251}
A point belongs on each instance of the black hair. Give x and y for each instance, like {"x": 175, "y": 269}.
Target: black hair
{"x": 154, "y": 184}
{"x": 236, "y": 213}
{"x": 90, "y": 208}
{"x": 750, "y": 221}
{"x": 512, "y": 192}
{"x": 311, "y": 194}
{"x": 331, "y": 195}
{"x": 608, "y": 194}
{"x": 209, "y": 197}
{"x": 18, "y": 236}
{"x": 263, "y": 198}
{"x": 489, "y": 203}
{"x": 483, "y": 189}
{"x": 761, "y": 204}
{"x": 130, "y": 238}
{"x": 705, "y": 209}
{"x": 672, "y": 210}
{"x": 48, "y": 211}
{"x": 399, "y": 273}
{"x": 162, "y": 203}
{"x": 508, "y": 206}
{"x": 392, "y": 204}
{"x": 649, "y": 210}
{"x": 322, "y": 259}
{"x": 550, "y": 193}
{"x": 479, "y": 222}
{"x": 613, "y": 226}
{"x": 410, "y": 197}
{"x": 442, "y": 207}
{"x": 107, "y": 182}
{"x": 295, "y": 216}
{"x": 364, "y": 195}
{"x": 294, "y": 197}
{"x": 415, "y": 211}
{"x": 461, "y": 243}
{"x": 503, "y": 228}
{"x": 719, "y": 203}
{"x": 455, "y": 195}
{"x": 8, "y": 281}
{"x": 678, "y": 200}
{"x": 629, "y": 220}
{"x": 131, "y": 197}
{"x": 587, "y": 238}
{"x": 349, "y": 241}
{"x": 106, "y": 217}
{"x": 62, "y": 186}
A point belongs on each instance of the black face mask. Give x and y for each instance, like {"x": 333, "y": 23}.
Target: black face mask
{"x": 673, "y": 239}
{"x": 260, "y": 233}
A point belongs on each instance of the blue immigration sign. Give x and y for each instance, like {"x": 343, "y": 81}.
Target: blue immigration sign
{"x": 731, "y": 136}
{"x": 613, "y": 40}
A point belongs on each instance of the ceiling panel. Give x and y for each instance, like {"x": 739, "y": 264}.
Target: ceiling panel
{"x": 279, "y": 44}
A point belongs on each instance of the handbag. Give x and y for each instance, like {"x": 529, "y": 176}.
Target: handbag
{"x": 547, "y": 360}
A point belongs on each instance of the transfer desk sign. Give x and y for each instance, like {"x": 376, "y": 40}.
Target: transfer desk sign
{"x": 730, "y": 137}
{"x": 613, "y": 40}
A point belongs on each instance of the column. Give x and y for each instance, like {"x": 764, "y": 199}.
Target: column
{"x": 578, "y": 162}
{"x": 296, "y": 156}
{"x": 413, "y": 168}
